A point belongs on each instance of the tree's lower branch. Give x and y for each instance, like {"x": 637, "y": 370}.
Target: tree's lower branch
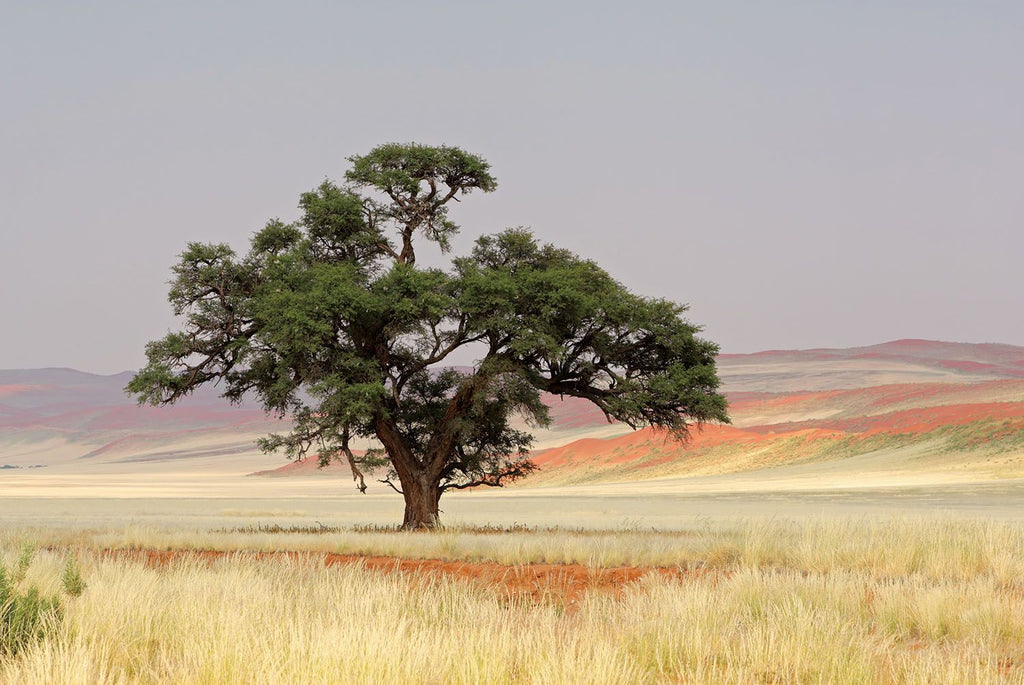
{"x": 477, "y": 483}
{"x": 495, "y": 480}
{"x": 357, "y": 475}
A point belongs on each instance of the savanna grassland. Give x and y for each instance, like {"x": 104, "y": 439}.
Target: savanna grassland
{"x": 859, "y": 522}
{"x": 914, "y": 600}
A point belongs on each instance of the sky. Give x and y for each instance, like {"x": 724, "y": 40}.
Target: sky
{"x": 802, "y": 174}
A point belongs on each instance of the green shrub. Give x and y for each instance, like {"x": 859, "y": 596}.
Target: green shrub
{"x": 71, "y": 579}
{"x": 27, "y": 615}
{"x": 28, "y": 550}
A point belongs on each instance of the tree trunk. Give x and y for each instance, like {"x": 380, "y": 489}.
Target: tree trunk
{"x": 421, "y": 492}
{"x": 421, "y": 499}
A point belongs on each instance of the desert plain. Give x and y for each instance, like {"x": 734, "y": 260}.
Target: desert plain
{"x": 860, "y": 520}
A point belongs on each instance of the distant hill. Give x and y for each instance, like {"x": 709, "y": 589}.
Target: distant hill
{"x": 52, "y": 392}
{"x": 59, "y": 415}
{"x": 899, "y": 361}
{"x": 991, "y": 358}
{"x": 784, "y": 403}
{"x": 908, "y": 407}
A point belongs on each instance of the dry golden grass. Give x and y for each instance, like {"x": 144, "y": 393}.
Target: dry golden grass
{"x": 935, "y": 547}
{"x": 925, "y": 601}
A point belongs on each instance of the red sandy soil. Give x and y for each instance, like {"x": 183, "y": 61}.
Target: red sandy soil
{"x": 742, "y": 402}
{"x": 565, "y": 582}
{"x": 649, "y": 448}
{"x": 638, "y": 445}
{"x": 874, "y": 399}
{"x": 920, "y": 420}
{"x": 951, "y": 393}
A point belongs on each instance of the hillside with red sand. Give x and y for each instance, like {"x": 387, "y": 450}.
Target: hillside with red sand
{"x": 759, "y": 408}
{"x": 790, "y": 407}
{"x": 862, "y": 422}
{"x": 787, "y": 407}
{"x": 920, "y": 420}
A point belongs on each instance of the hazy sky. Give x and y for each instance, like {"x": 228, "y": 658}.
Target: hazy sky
{"x": 804, "y": 174}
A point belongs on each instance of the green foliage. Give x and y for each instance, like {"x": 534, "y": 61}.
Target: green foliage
{"x": 417, "y": 181}
{"x": 27, "y": 615}
{"x": 574, "y": 330}
{"x": 25, "y": 618}
{"x": 25, "y": 555}
{"x": 329, "y": 321}
{"x": 71, "y": 578}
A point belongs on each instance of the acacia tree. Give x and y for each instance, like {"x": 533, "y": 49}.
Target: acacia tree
{"x": 330, "y": 322}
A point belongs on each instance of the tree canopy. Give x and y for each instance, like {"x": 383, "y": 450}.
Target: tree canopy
{"x": 329, "y": 321}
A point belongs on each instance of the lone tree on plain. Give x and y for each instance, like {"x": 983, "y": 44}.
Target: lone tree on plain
{"x": 329, "y": 321}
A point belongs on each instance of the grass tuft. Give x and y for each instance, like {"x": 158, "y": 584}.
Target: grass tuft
{"x": 71, "y": 579}
{"x": 277, "y": 529}
{"x": 26, "y": 614}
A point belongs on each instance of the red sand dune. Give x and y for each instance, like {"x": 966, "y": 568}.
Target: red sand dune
{"x": 639, "y": 445}
{"x": 863, "y": 414}
{"x": 877, "y": 399}
{"x": 919, "y": 420}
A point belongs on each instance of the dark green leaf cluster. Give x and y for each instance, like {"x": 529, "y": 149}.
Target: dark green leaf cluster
{"x": 328, "y": 320}
{"x": 573, "y": 330}
{"x": 417, "y": 182}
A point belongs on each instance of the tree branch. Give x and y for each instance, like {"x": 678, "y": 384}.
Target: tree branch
{"x": 357, "y": 475}
{"x": 494, "y": 480}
